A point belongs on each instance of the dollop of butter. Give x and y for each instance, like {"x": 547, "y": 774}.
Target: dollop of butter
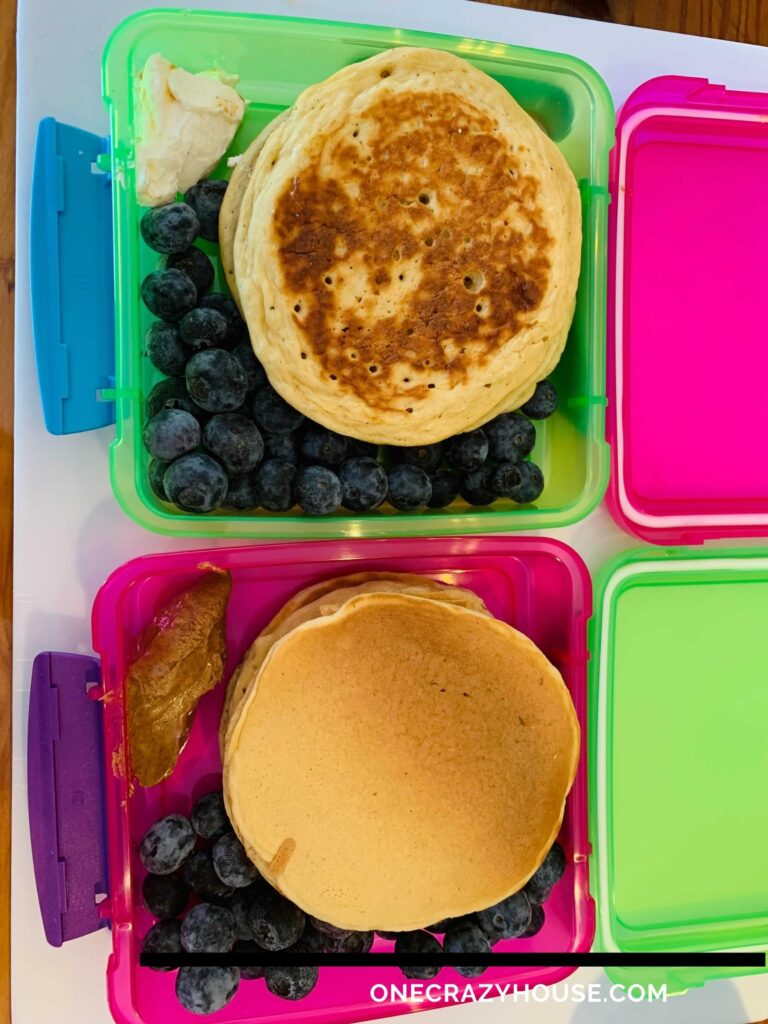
{"x": 186, "y": 122}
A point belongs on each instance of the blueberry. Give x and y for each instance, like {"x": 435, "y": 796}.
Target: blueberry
{"x": 542, "y": 402}
{"x": 468, "y": 451}
{"x": 466, "y": 938}
{"x": 168, "y": 294}
{"x": 426, "y": 457}
{"x": 363, "y": 484}
{"x": 206, "y": 989}
{"x": 445, "y": 488}
{"x": 274, "y": 483}
{"x": 441, "y": 927}
{"x": 170, "y": 434}
{"x": 284, "y": 447}
{"x": 196, "y": 265}
{"x": 208, "y": 928}
{"x": 165, "y": 349}
{"x": 539, "y": 885}
{"x": 199, "y": 874}
{"x": 203, "y": 328}
{"x": 155, "y": 473}
{"x": 253, "y": 971}
{"x": 276, "y": 922}
{"x": 273, "y": 414}
{"x": 170, "y": 228}
{"x": 312, "y": 940}
{"x": 361, "y": 449}
{"x": 506, "y": 478}
{"x": 418, "y": 942}
{"x": 241, "y": 492}
{"x": 409, "y": 487}
{"x": 235, "y": 441}
{"x": 167, "y": 844}
{"x": 252, "y": 368}
{"x": 196, "y": 483}
{"x": 223, "y": 304}
{"x": 477, "y": 488}
{"x": 318, "y": 490}
{"x": 323, "y": 447}
{"x": 232, "y": 864}
{"x": 172, "y": 394}
{"x": 511, "y": 437}
{"x": 537, "y": 922}
{"x": 505, "y": 920}
{"x": 338, "y": 940}
{"x": 216, "y": 380}
{"x": 241, "y": 906}
{"x": 291, "y": 982}
{"x": 531, "y": 485}
{"x": 206, "y": 198}
{"x": 163, "y": 937}
{"x": 164, "y": 895}
{"x": 209, "y": 816}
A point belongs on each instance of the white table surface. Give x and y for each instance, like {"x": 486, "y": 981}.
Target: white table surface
{"x": 70, "y": 532}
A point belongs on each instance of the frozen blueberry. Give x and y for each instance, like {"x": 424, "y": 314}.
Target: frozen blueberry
{"x": 235, "y": 441}
{"x": 196, "y": 483}
{"x": 199, "y": 874}
{"x": 426, "y": 457}
{"x": 209, "y": 816}
{"x": 542, "y": 402}
{"x": 338, "y": 940}
{"x": 312, "y": 940}
{"x": 155, "y": 473}
{"x": 539, "y": 885}
{"x": 291, "y": 982}
{"x": 274, "y": 483}
{"x": 409, "y": 487}
{"x": 441, "y": 927}
{"x": 163, "y": 937}
{"x": 531, "y": 485}
{"x": 537, "y": 922}
{"x": 418, "y": 942}
{"x": 318, "y": 490}
{"x": 208, "y": 928}
{"x": 231, "y": 862}
{"x": 466, "y": 938}
{"x": 273, "y": 414}
{"x": 164, "y": 895}
{"x": 241, "y": 493}
{"x": 468, "y": 451}
{"x": 241, "y": 906}
{"x": 363, "y": 484}
{"x": 505, "y": 920}
{"x": 252, "y": 368}
{"x": 506, "y": 478}
{"x": 477, "y": 488}
{"x": 206, "y": 198}
{"x": 172, "y": 394}
{"x": 223, "y": 304}
{"x": 196, "y": 265}
{"x": 167, "y": 844}
{"x": 168, "y": 294}
{"x": 170, "y": 434}
{"x": 276, "y": 922}
{"x": 445, "y": 488}
{"x": 165, "y": 349}
{"x": 216, "y": 381}
{"x": 511, "y": 437}
{"x": 361, "y": 449}
{"x": 170, "y": 228}
{"x": 206, "y": 989}
{"x": 252, "y": 971}
{"x": 323, "y": 447}
{"x": 284, "y": 447}
{"x": 203, "y": 328}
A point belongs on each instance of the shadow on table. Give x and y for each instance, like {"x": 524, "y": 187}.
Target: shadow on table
{"x": 715, "y": 1003}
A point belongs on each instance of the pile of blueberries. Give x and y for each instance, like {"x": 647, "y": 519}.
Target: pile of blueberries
{"x": 221, "y": 437}
{"x": 200, "y": 860}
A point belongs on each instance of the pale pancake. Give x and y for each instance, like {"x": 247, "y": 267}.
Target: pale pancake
{"x": 401, "y": 761}
{"x": 325, "y": 598}
{"x": 408, "y": 249}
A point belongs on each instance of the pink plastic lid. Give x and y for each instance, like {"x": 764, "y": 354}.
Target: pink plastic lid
{"x": 688, "y": 316}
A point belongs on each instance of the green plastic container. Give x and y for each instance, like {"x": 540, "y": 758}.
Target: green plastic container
{"x": 276, "y": 58}
{"x": 679, "y": 757}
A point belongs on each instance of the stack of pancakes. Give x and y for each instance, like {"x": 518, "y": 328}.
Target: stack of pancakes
{"x": 404, "y": 244}
{"x": 394, "y": 755}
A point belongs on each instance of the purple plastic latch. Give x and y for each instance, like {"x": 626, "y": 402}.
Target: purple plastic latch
{"x": 65, "y": 782}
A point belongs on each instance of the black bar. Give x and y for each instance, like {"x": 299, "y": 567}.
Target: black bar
{"x": 297, "y": 959}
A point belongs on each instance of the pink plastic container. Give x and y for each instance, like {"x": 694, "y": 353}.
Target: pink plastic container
{"x": 539, "y": 585}
{"x": 688, "y": 279}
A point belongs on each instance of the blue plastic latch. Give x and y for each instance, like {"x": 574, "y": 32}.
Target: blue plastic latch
{"x": 72, "y": 277}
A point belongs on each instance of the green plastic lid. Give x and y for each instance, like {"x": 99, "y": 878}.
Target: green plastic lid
{"x": 679, "y": 758}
